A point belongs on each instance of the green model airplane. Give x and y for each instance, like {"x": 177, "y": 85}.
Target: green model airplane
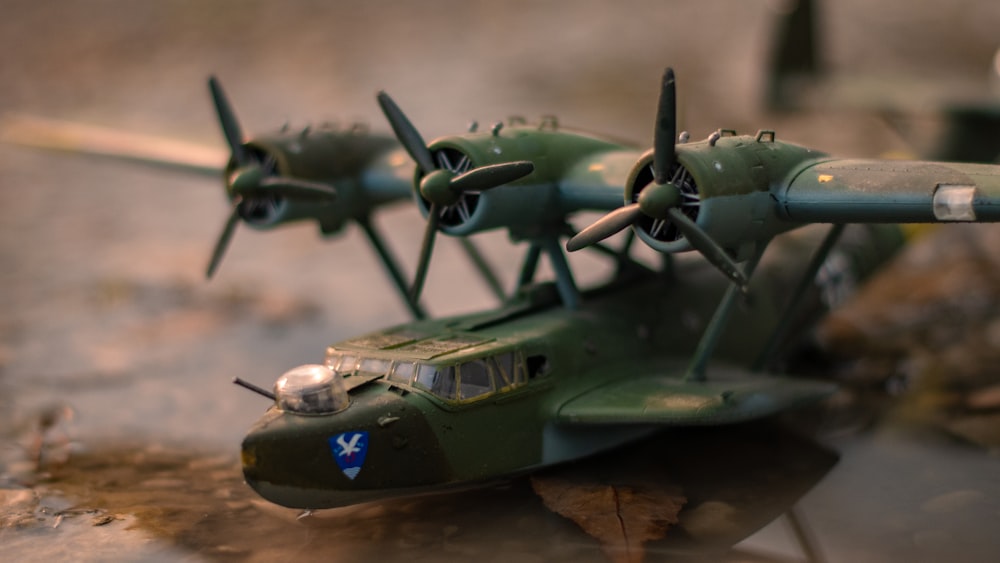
{"x": 327, "y": 174}
{"x": 559, "y": 372}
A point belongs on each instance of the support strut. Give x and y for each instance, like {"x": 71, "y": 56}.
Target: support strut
{"x": 710, "y": 338}
{"x": 392, "y": 268}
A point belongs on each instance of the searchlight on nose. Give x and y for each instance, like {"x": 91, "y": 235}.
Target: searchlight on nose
{"x": 311, "y": 389}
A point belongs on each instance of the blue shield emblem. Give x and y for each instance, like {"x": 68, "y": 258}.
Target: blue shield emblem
{"x": 349, "y": 449}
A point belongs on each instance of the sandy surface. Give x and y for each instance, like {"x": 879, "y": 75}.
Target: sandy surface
{"x": 109, "y": 332}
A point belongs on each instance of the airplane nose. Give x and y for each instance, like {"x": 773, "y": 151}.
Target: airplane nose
{"x": 371, "y": 450}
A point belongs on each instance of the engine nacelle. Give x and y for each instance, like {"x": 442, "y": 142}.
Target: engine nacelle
{"x": 725, "y": 184}
{"x": 536, "y": 202}
{"x": 326, "y": 155}
{"x": 521, "y": 204}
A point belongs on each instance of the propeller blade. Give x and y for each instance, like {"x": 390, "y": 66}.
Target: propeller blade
{"x": 223, "y": 243}
{"x": 291, "y": 188}
{"x": 492, "y": 176}
{"x": 604, "y": 227}
{"x": 708, "y": 248}
{"x": 424, "y": 260}
{"x": 665, "y": 133}
{"x": 407, "y": 134}
{"x": 227, "y": 118}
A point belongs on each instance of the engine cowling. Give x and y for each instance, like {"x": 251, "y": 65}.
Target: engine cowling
{"x": 326, "y": 155}
{"x": 724, "y": 184}
{"x": 530, "y": 204}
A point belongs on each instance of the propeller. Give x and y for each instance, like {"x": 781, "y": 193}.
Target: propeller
{"x": 255, "y": 186}
{"x": 662, "y": 199}
{"x": 440, "y": 185}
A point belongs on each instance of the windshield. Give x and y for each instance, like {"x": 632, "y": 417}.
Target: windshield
{"x": 467, "y": 381}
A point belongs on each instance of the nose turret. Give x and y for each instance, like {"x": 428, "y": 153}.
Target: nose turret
{"x": 311, "y": 389}
{"x": 377, "y": 446}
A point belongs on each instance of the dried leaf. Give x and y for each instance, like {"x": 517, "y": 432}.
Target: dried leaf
{"x": 622, "y": 518}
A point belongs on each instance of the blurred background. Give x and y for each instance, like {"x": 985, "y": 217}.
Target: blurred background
{"x": 113, "y": 346}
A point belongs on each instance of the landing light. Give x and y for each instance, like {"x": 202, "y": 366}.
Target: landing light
{"x": 311, "y": 389}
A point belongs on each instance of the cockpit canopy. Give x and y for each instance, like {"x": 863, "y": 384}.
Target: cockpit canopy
{"x": 457, "y": 382}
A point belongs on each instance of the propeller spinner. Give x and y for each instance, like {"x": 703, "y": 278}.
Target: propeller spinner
{"x": 255, "y": 185}
{"x": 441, "y": 186}
{"x": 662, "y": 200}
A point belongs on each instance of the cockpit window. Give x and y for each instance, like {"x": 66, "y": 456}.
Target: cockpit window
{"x": 403, "y": 372}
{"x": 474, "y": 379}
{"x": 504, "y": 370}
{"x": 438, "y": 380}
{"x": 510, "y": 370}
{"x": 332, "y": 358}
{"x": 374, "y": 365}
{"x": 347, "y": 364}
{"x": 339, "y": 362}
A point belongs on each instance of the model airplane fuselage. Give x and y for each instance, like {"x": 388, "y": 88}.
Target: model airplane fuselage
{"x": 453, "y": 402}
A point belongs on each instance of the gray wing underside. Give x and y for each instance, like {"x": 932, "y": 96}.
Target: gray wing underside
{"x": 888, "y": 191}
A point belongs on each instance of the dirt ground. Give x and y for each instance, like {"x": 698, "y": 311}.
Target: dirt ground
{"x": 119, "y": 427}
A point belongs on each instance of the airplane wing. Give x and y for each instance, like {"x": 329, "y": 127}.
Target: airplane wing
{"x": 596, "y": 182}
{"x": 663, "y": 397}
{"x": 86, "y": 139}
{"x": 874, "y": 191}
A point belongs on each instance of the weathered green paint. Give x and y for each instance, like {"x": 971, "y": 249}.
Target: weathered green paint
{"x": 879, "y": 191}
{"x": 736, "y": 177}
{"x": 573, "y": 171}
{"x": 730, "y": 396}
{"x": 612, "y": 375}
{"x": 366, "y": 170}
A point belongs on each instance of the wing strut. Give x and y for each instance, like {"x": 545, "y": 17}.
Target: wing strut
{"x": 485, "y": 270}
{"x": 710, "y": 338}
{"x": 808, "y": 278}
{"x": 442, "y": 187}
{"x": 391, "y": 267}
{"x": 564, "y": 276}
{"x": 565, "y": 285}
{"x": 529, "y": 266}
